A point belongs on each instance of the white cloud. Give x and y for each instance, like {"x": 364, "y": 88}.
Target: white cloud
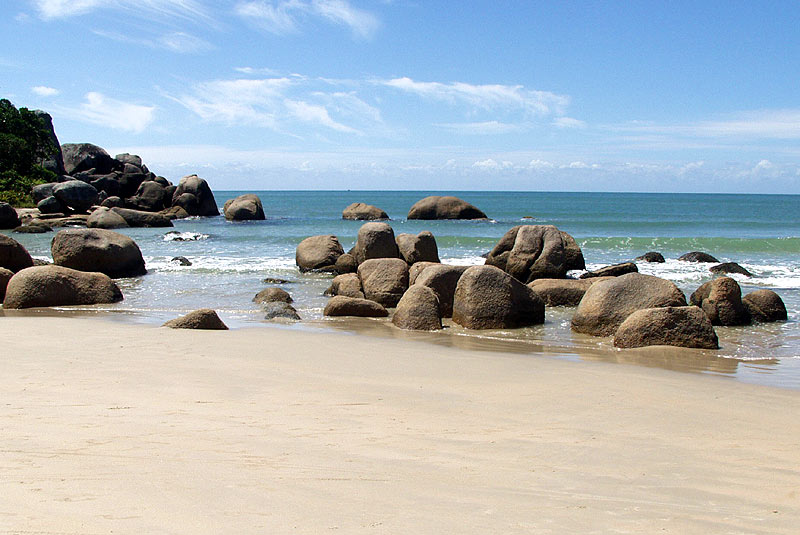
{"x": 179, "y": 42}
{"x": 285, "y": 16}
{"x": 151, "y": 9}
{"x": 540, "y": 164}
{"x": 44, "y": 91}
{"x": 116, "y": 114}
{"x": 568, "y": 122}
{"x": 238, "y": 101}
{"x": 261, "y": 71}
{"x": 759, "y": 124}
{"x": 487, "y": 97}
{"x": 492, "y": 165}
{"x": 311, "y": 113}
{"x": 481, "y": 128}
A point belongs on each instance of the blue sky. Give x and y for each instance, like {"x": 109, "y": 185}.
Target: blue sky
{"x": 337, "y": 94}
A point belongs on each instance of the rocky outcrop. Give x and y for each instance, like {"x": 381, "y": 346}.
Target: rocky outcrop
{"x": 442, "y": 279}
{"x": 606, "y": 304}
{"x": 530, "y": 252}
{"x": 245, "y": 207}
{"x": 318, "y": 253}
{"x": 612, "y": 271}
{"x": 721, "y": 300}
{"x": 204, "y": 318}
{"x": 359, "y": 211}
{"x": 384, "y": 280}
{"x": 271, "y": 295}
{"x": 418, "y": 310}
{"x": 765, "y": 306}
{"x": 447, "y": 207}
{"x": 419, "y": 248}
{"x": 101, "y": 250}
{"x": 53, "y": 162}
{"x": 76, "y": 195}
{"x": 730, "y": 268}
{"x": 49, "y": 286}
{"x": 667, "y": 326}
{"x": 194, "y": 195}
{"x": 346, "y": 284}
{"x": 352, "y": 306}
{"x": 488, "y": 298}
{"x": 8, "y": 216}
{"x": 652, "y": 257}
{"x": 375, "y": 240}
{"x": 562, "y": 292}
{"x": 13, "y": 256}
{"x": 697, "y": 256}
{"x": 82, "y": 157}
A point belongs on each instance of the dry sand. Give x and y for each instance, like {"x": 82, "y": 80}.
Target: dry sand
{"x": 119, "y": 428}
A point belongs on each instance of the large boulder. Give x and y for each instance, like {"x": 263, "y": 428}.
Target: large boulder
{"x": 318, "y": 253}
{"x": 419, "y": 248}
{"x": 140, "y": 218}
{"x": 573, "y": 256}
{"x": 42, "y": 191}
{"x": 442, "y": 279}
{"x": 384, "y": 280}
{"x": 606, "y": 304}
{"x": 346, "y": 284}
{"x": 76, "y": 195}
{"x": 447, "y": 207}
{"x": 414, "y": 270}
{"x": 102, "y": 250}
{"x": 204, "y": 318}
{"x": 352, "y": 306}
{"x": 612, "y": 271}
{"x": 5, "y": 276}
{"x": 8, "y": 216}
{"x": 49, "y": 286}
{"x": 721, "y": 300}
{"x": 765, "y": 306}
{"x": 54, "y": 161}
{"x": 245, "y": 207}
{"x": 150, "y": 197}
{"x": 13, "y": 256}
{"x": 530, "y": 252}
{"x": 488, "y": 298}
{"x": 271, "y": 295}
{"x": 103, "y": 217}
{"x": 360, "y": 211}
{"x": 194, "y": 195}
{"x": 418, "y": 310}
{"x": 667, "y": 326}
{"x": 50, "y": 205}
{"x": 85, "y": 156}
{"x": 375, "y": 240}
{"x": 697, "y": 256}
{"x": 562, "y": 292}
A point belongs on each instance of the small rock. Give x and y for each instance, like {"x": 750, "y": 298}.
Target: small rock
{"x": 652, "y": 257}
{"x": 271, "y": 295}
{"x": 612, "y": 271}
{"x": 181, "y": 260}
{"x": 697, "y": 256}
{"x": 730, "y": 267}
{"x": 279, "y": 310}
{"x": 352, "y": 306}
{"x": 204, "y": 318}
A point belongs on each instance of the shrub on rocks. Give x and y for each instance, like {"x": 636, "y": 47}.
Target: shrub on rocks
{"x": 49, "y": 286}
{"x": 418, "y": 310}
{"x": 318, "y": 253}
{"x": 606, "y": 304}
{"x": 488, "y": 298}
{"x": 101, "y": 250}
{"x": 671, "y": 326}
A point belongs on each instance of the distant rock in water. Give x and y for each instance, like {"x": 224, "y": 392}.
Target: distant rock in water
{"x": 612, "y": 271}
{"x": 181, "y": 260}
{"x": 730, "y": 267}
{"x": 245, "y": 207}
{"x": 447, "y": 207}
{"x": 652, "y": 257}
{"x": 697, "y": 256}
{"x": 361, "y": 211}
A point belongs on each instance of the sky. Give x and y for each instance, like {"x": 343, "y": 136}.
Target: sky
{"x": 679, "y": 96}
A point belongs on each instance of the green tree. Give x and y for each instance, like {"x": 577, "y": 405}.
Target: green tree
{"x": 24, "y": 142}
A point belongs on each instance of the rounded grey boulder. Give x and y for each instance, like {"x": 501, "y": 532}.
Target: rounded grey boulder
{"x": 103, "y": 217}
{"x": 13, "y": 256}
{"x": 418, "y": 310}
{"x": 245, "y": 207}
{"x": 271, "y": 295}
{"x": 488, "y": 298}
{"x": 419, "y": 248}
{"x": 667, "y": 326}
{"x": 606, "y": 304}
{"x": 721, "y": 300}
{"x": 446, "y": 207}
{"x": 352, "y": 306}
{"x": 199, "y": 199}
{"x": 204, "y": 318}
{"x": 361, "y": 211}
{"x": 530, "y": 252}
{"x": 375, "y": 240}
{"x": 730, "y": 267}
{"x": 318, "y": 253}
{"x": 765, "y": 306}
{"x": 442, "y": 279}
{"x": 48, "y": 286}
{"x": 652, "y": 257}
{"x": 697, "y": 256}
{"x": 76, "y": 195}
{"x": 101, "y": 250}
{"x": 346, "y": 284}
{"x": 384, "y": 280}
{"x": 279, "y": 310}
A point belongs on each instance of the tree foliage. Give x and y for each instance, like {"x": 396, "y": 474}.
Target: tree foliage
{"x": 24, "y": 142}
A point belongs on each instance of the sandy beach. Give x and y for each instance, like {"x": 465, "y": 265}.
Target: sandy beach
{"x": 111, "y": 427}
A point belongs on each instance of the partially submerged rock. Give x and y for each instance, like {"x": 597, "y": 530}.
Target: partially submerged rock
{"x": 271, "y": 295}
{"x": 49, "y": 286}
{"x": 346, "y": 284}
{"x": 446, "y": 207}
{"x": 697, "y": 256}
{"x": 488, "y": 298}
{"x": 652, "y": 257}
{"x": 686, "y": 326}
{"x": 721, "y": 300}
{"x": 194, "y": 195}
{"x": 612, "y": 271}
{"x": 318, "y": 253}
{"x": 419, "y": 248}
{"x": 245, "y": 207}
{"x": 352, "y": 306}
{"x": 730, "y": 268}
{"x": 204, "y": 318}
{"x": 606, "y": 304}
{"x": 279, "y": 310}
{"x": 361, "y": 211}
{"x": 765, "y": 306}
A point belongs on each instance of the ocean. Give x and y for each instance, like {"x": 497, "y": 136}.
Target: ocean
{"x": 231, "y": 260}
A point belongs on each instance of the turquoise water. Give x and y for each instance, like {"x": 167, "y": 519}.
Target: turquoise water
{"x": 760, "y": 232}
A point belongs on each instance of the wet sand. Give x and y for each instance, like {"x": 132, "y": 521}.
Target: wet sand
{"x": 114, "y": 427}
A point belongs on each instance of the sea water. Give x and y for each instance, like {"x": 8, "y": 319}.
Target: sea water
{"x": 231, "y": 260}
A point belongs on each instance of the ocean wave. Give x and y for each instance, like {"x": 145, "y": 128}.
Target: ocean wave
{"x": 175, "y": 235}
{"x": 714, "y": 246}
{"x": 222, "y": 264}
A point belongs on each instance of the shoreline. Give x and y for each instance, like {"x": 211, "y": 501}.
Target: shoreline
{"x": 131, "y": 428}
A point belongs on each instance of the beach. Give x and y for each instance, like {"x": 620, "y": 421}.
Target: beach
{"x": 114, "y": 427}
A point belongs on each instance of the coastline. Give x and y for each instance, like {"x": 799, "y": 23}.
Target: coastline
{"x": 133, "y": 428}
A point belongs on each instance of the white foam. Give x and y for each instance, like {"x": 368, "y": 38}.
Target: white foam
{"x": 184, "y": 236}
{"x": 222, "y": 264}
